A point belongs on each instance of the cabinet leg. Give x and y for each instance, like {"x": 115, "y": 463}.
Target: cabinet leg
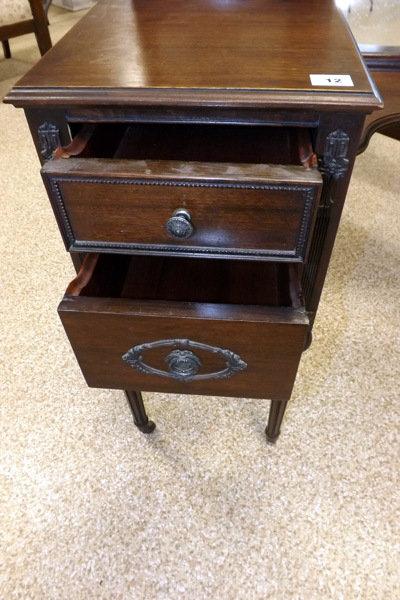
{"x": 276, "y": 412}
{"x": 308, "y": 341}
{"x": 6, "y": 48}
{"x": 140, "y": 417}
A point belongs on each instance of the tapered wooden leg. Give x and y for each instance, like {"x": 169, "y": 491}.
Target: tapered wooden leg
{"x": 6, "y": 48}
{"x": 140, "y": 417}
{"x": 276, "y": 412}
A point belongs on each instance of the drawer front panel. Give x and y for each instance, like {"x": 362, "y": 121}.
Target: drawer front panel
{"x": 185, "y": 348}
{"x": 254, "y": 219}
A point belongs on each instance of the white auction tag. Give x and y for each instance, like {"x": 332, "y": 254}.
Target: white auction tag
{"x": 332, "y": 80}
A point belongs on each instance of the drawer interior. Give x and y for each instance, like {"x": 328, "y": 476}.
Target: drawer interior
{"x": 127, "y": 316}
{"x": 198, "y": 143}
{"x": 188, "y": 280}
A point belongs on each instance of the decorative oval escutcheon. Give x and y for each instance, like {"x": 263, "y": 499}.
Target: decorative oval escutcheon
{"x": 183, "y": 363}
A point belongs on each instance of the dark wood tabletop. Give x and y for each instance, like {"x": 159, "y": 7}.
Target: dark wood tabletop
{"x": 192, "y": 52}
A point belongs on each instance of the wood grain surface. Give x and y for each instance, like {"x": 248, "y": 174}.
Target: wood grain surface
{"x": 101, "y": 330}
{"x": 200, "y": 52}
{"x": 122, "y": 204}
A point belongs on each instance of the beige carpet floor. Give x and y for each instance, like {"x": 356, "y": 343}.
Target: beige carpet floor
{"x": 203, "y": 508}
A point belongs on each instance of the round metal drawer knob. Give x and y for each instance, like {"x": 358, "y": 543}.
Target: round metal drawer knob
{"x": 180, "y": 224}
{"x": 183, "y": 363}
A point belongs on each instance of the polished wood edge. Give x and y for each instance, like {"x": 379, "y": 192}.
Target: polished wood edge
{"x": 381, "y": 58}
{"x": 245, "y": 173}
{"x": 190, "y": 310}
{"x": 84, "y": 276}
{"x": 374, "y": 127}
{"x": 374, "y": 88}
{"x": 316, "y": 99}
{"x": 209, "y": 116}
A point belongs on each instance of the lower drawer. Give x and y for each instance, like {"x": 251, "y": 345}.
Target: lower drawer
{"x": 186, "y": 326}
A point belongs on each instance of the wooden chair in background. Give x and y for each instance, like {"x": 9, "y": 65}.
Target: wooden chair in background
{"x": 18, "y": 17}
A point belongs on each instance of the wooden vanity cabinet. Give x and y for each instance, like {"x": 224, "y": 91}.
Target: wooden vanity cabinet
{"x": 197, "y": 175}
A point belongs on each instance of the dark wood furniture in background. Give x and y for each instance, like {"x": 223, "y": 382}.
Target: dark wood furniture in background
{"x": 383, "y": 63}
{"x": 38, "y": 25}
{"x": 198, "y": 178}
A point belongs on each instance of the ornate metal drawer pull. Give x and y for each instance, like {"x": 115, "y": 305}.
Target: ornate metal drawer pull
{"x": 183, "y": 364}
{"x": 180, "y": 224}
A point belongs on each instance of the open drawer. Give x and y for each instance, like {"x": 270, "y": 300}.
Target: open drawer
{"x": 188, "y": 326}
{"x": 213, "y": 191}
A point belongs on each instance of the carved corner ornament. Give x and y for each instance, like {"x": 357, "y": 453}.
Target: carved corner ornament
{"x": 183, "y": 364}
{"x": 335, "y": 161}
{"x": 49, "y": 139}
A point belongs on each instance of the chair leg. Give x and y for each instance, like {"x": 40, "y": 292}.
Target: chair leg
{"x": 140, "y": 417}
{"x": 6, "y": 48}
{"x": 41, "y": 26}
{"x": 43, "y": 40}
{"x": 276, "y": 412}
